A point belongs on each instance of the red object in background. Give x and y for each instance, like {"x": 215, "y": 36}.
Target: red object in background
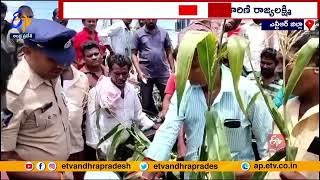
{"x": 235, "y": 31}
{"x": 219, "y": 10}
{"x": 188, "y": 10}
{"x": 82, "y": 37}
{"x": 171, "y": 85}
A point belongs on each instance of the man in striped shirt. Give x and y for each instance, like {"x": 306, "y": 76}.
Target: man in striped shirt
{"x": 238, "y": 128}
{"x": 268, "y": 78}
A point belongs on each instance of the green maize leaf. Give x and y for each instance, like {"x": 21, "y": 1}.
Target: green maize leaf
{"x": 304, "y": 56}
{"x": 291, "y": 153}
{"x": 193, "y": 175}
{"x": 117, "y": 128}
{"x": 116, "y": 141}
{"x": 216, "y": 138}
{"x": 276, "y": 116}
{"x": 252, "y": 101}
{"x": 186, "y": 51}
{"x": 276, "y": 157}
{"x": 223, "y": 53}
{"x": 218, "y": 147}
{"x": 202, "y": 175}
{"x": 145, "y": 141}
{"x": 236, "y": 49}
{"x": 222, "y": 175}
{"x": 206, "y": 51}
{"x": 203, "y": 153}
{"x": 137, "y": 155}
{"x": 278, "y": 119}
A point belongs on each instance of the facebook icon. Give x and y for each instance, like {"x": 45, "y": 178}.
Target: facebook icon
{"x": 41, "y": 166}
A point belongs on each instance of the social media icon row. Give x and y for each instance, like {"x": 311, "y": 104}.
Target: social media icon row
{"x": 41, "y": 166}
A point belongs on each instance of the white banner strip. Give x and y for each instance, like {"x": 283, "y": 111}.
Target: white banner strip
{"x": 122, "y": 10}
{"x": 274, "y": 10}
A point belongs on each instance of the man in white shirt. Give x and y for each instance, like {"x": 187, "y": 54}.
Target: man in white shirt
{"x": 259, "y": 40}
{"x": 116, "y": 101}
{"x": 120, "y": 36}
{"x": 76, "y": 87}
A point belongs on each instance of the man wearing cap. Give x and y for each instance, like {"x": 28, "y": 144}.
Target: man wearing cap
{"x": 39, "y": 128}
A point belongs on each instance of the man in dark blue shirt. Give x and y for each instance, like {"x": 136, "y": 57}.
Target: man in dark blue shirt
{"x": 155, "y": 50}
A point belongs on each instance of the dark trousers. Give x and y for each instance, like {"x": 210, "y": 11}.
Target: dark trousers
{"x": 77, "y": 157}
{"x": 146, "y": 91}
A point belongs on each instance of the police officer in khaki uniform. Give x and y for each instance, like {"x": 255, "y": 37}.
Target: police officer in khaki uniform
{"x": 39, "y": 128}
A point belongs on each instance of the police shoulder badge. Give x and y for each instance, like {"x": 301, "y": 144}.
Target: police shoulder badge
{"x": 68, "y": 44}
{"x": 6, "y": 116}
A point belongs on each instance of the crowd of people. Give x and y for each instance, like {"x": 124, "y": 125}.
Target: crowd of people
{"x": 68, "y": 89}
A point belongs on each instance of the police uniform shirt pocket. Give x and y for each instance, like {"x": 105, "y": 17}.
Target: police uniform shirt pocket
{"x": 41, "y": 117}
{"x": 48, "y": 118}
{"x": 34, "y": 120}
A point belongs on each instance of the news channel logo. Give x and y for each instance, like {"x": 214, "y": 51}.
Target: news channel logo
{"x": 21, "y": 22}
{"x": 41, "y": 166}
{"x": 143, "y": 166}
{"x": 29, "y": 166}
{"x": 245, "y": 166}
{"x": 52, "y": 166}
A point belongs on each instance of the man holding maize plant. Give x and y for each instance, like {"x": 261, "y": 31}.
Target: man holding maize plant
{"x": 303, "y": 111}
{"x": 112, "y": 101}
{"x": 237, "y": 127}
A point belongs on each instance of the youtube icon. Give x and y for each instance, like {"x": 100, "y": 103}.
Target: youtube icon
{"x": 29, "y": 166}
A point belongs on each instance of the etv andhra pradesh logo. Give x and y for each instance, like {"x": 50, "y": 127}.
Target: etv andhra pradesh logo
{"x": 21, "y": 22}
{"x": 276, "y": 142}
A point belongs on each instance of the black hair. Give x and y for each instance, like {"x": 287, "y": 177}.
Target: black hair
{"x": 89, "y": 45}
{"x": 24, "y": 7}
{"x": 300, "y": 42}
{"x": 119, "y": 60}
{"x": 3, "y": 7}
{"x": 86, "y": 19}
{"x": 304, "y": 39}
{"x": 315, "y": 57}
{"x": 6, "y": 69}
{"x": 270, "y": 53}
{"x": 175, "y": 53}
{"x": 54, "y": 13}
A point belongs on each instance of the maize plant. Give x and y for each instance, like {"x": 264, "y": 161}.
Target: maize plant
{"x": 283, "y": 122}
{"x": 215, "y": 146}
{"x": 118, "y": 136}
